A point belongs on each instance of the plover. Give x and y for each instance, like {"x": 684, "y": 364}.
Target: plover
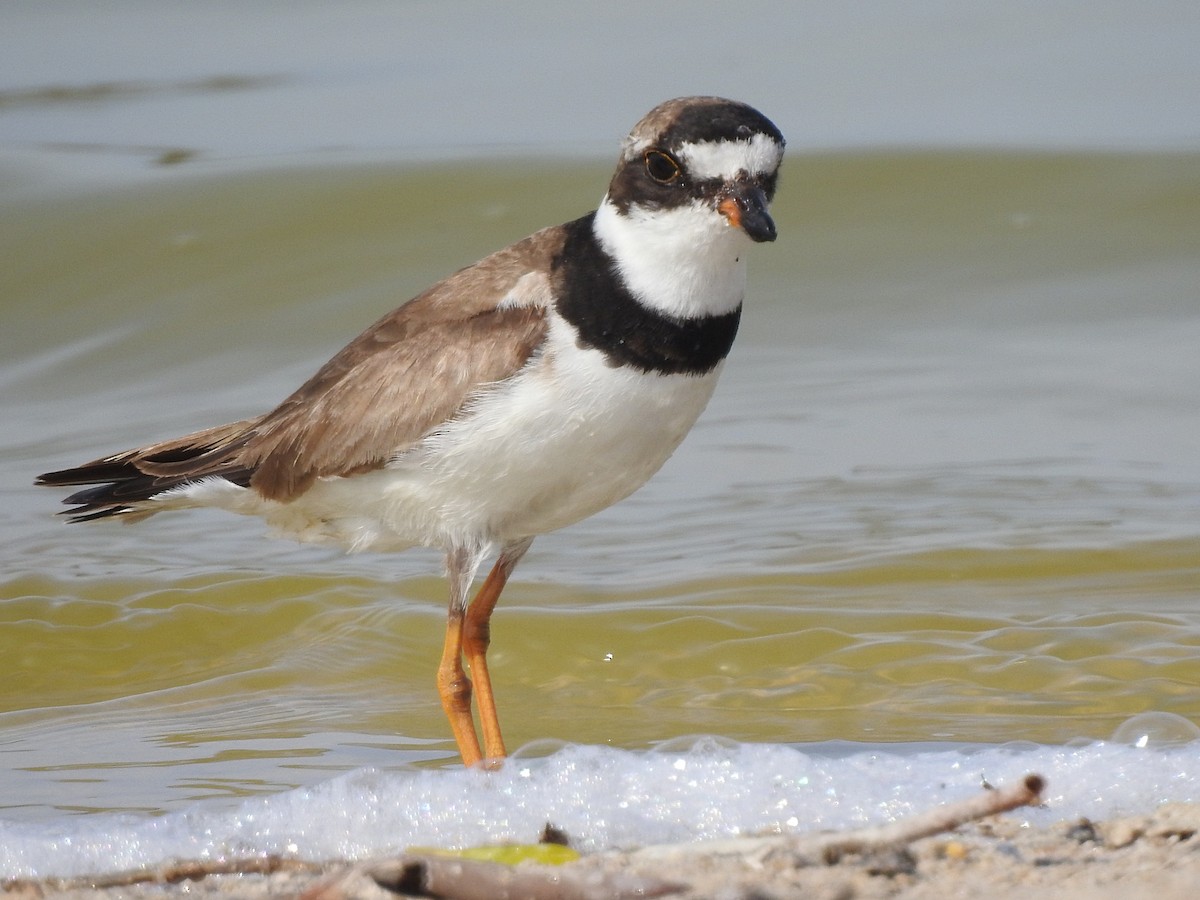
{"x": 521, "y": 394}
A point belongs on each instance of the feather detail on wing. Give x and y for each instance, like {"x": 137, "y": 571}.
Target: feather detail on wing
{"x": 386, "y": 399}
{"x": 413, "y": 370}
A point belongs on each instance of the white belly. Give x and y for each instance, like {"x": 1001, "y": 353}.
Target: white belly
{"x": 568, "y": 437}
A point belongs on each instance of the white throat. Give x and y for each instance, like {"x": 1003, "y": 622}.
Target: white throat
{"x": 687, "y": 262}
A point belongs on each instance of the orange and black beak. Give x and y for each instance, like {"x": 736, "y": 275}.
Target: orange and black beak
{"x": 744, "y": 205}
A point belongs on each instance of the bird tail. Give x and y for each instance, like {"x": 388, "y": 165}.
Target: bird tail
{"x": 125, "y": 482}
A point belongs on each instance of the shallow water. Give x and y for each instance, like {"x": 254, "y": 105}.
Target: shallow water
{"x": 947, "y": 489}
{"x": 944, "y": 499}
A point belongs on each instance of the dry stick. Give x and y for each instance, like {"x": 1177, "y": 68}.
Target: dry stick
{"x": 832, "y": 846}
{"x": 171, "y": 873}
{"x": 1026, "y": 792}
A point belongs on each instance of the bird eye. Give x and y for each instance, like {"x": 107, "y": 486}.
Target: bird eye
{"x": 661, "y": 167}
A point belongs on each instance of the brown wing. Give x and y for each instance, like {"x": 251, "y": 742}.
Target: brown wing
{"x": 412, "y": 370}
{"x": 379, "y": 400}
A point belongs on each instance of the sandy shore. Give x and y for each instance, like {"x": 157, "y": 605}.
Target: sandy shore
{"x": 1152, "y": 856}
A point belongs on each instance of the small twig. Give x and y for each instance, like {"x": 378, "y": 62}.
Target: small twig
{"x": 832, "y": 846}
{"x": 171, "y": 873}
{"x": 940, "y": 819}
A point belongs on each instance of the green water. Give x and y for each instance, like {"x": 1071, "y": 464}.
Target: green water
{"x": 948, "y": 488}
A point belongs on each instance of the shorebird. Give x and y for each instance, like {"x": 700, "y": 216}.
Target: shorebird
{"x": 523, "y": 393}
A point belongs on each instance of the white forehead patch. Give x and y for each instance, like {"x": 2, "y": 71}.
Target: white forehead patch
{"x": 760, "y": 155}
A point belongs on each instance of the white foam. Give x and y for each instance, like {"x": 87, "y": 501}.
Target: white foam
{"x": 605, "y": 798}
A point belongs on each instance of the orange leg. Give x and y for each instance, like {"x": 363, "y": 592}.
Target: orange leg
{"x": 477, "y": 635}
{"x": 468, "y": 633}
{"x": 455, "y": 690}
{"x": 477, "y": 631}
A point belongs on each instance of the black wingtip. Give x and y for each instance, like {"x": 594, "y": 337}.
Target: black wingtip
{"x": 99, "y": 501}
{"x": 76, "y": 516}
